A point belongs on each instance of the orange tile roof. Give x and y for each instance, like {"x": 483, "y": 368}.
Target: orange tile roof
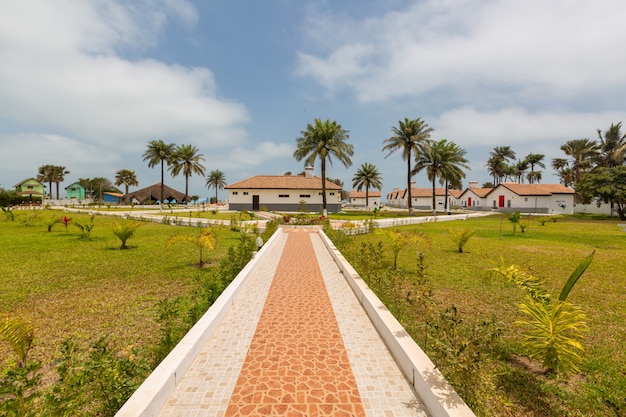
{"x": 427, "y": 192}
{"x": 536, "y": 189}
{"x": 480, "y": 192}
{"x": 361, "y": 194}
{"x": 299, "y": 182}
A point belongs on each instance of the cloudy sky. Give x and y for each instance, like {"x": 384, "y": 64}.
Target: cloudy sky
{"x": 87, "y": 84}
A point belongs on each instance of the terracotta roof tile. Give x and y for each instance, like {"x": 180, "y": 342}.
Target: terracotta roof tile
{"x": 536, "y": 189}
{"x": 361, "y": 194}
{"x": 283, "y": 182}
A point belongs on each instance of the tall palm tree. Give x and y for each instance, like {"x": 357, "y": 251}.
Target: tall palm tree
{"x": 186, "y": 158}
{"x": 534, "y": 159}
{"x": 440, "y": 159}
{"x": 159, "y": 152}
{"x": 612, "y": 147}
{"x": 582, "y": 152}
{"x": 58, "y": 176}
{"x": 497, "y": 163}
{"x": 368, "y": 176}
{"x": 46, "y": 174}
{"x": 217, "y": 180}
{"x": 405, "y": 139}
{"x": 519, "y": 169}
{"x": 323, "y": 140}
{"x": 126, "y": 177}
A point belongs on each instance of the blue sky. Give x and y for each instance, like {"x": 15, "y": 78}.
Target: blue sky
{"x": 87, "y": 84}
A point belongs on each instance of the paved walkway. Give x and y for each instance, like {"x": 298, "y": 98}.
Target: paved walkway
{"x": 295, "y": 343}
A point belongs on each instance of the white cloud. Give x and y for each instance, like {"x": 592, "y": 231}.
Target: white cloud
{"x": 561, "y": 48}
{"x": 65, "y": 70}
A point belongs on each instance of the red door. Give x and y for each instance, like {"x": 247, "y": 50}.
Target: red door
{"x": 500, "y": 201}
{"x": 469, "y": 201}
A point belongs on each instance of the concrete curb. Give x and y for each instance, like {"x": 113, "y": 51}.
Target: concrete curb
{"x": 438, "y": 396}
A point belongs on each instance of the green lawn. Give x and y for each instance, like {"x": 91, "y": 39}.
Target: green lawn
{"x": 84, "y": 289}
{"x": 551, "y": 252}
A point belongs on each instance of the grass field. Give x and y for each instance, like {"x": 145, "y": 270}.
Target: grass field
{"x": 84, "y": 289}
{"x": 552, "y": 252}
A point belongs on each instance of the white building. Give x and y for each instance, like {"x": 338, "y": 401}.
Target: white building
{"x": 532, "y": 198}
{"x": 357, "y": 199}
{"x": 283, "y": 193}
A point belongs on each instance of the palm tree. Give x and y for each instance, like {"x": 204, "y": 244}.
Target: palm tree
{"x": 159, "y": 152}
{"x": 186, "y": 158}
{"x": 46, "y": 174}
{"x": 323, "y": 140}
{"x": 367, "y": 176}
{"x": 217, "y": 180}
{"x": 581, "y": 152}
{"x": 612, "y": 150}
{"x": 406, "y": 138}
{"x": 126, "y": 177}
{"x": 519, "y": 169}
{"x": 497, "y": 162}
{"x": 534, "y": 159}
{"x": 58, "y": 176}
{"x": 440, "y": 159}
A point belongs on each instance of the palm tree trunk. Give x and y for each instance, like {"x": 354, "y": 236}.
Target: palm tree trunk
{"x": 434, "y": 199}
{"x": 162, "y": 173}
{"x": 325, "y": 212}
{"x": 408, "y": 185}
{"x": 367, "y": 195}
{"x": 186, "y": 188}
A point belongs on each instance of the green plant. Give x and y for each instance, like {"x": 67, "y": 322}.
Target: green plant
{"x": 18, "y": 382}
{"x": 515, "y": 219}
{"x": 51, "y": 222}
{"x": 8, "y": 212}
{"x": 206, "y": 239}
{"x": 460, "y": 237}
{"x": 553, "y": 329}
{"x": 124, "y": 231}
{"x": 85, "y": 229}
{"x": 398, "y": 240}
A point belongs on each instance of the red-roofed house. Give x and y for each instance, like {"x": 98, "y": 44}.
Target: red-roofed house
{"x": 357, "y": 198}
{"x": 475, "y": 197}
{"x": 283, "y": 193}
{"x": 532, "y": 198}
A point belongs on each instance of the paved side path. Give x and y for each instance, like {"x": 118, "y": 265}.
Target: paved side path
{"x": 296, "y": 343}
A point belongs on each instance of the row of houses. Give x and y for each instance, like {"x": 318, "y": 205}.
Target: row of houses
{"x": 506, "y": 196}
{"x": 295, "y": 192}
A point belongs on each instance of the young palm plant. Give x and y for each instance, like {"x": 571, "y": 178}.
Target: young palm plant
{"x": 124, "y": 231}
{"x": 205, "y": 239}
{"x": 553, "y": 329}
{"x": 460, "y": 237}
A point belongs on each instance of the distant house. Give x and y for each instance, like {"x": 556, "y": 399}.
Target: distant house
{"x": 422, "y": 198}
{"x": 75, "y": 191}
{"x": 357, "y": 198}
{"x": 115, "y": 198}
{"x": 532, "y": 198}
{"x": 474, "y": 197}
{"x": 30, "y": 188}
{"x": 152, "y": 194}
{"x": 283, "y": 193}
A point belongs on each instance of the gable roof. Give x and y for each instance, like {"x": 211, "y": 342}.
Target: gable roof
{"x": 427, "y": 192}
{"x": 153, "y": 192}
{"x": 479, "y": 192}
{"x": 361, "y": 194}
{"x": 298, "y": 182}
{"x": 535, "y": 189}
{"x": 33, "y": 180}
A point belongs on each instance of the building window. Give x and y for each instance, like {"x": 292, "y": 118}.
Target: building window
{"x": 526, "y": 199}
{"x": 305, "y": 195}
{"x": 283, "y": 195}
{"x": 245, "y": 193}
{"x": 235, "y": 192}
{"x": 332, "y": 193}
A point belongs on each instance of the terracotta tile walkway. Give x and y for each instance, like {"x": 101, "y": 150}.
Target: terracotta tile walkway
{"x": 297, "y": 344}
{"x": 297, "y": 363}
